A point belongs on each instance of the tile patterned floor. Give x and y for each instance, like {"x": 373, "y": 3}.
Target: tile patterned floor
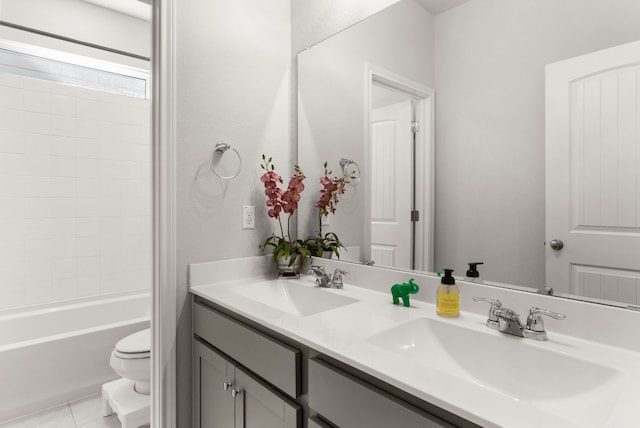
{"x": 85, "y": 413}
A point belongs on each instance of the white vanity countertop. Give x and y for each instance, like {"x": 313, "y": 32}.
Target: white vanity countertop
{"x": 341, "y": 333}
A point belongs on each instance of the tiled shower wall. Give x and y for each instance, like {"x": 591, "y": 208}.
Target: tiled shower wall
{"x": 75, "y": 193}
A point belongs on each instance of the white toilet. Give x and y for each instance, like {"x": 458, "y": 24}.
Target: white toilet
{"x": 128, "y": 397}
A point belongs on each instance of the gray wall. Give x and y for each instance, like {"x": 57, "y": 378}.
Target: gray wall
{"x": 233, "y": 85}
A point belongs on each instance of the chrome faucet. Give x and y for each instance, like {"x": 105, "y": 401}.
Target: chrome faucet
{"x": 325, "y": 280}
{"x": 508, "y": 321}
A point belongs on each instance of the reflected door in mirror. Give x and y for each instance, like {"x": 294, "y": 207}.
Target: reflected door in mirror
{"x": 593, "y": 174}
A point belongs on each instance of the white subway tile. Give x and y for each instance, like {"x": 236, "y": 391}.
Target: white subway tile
{"x": 12, "y": 142}
{"x": 88, "y": 226}
{"x": 111, "y": 263}
{"x": 88, "y": 207}
{"x": 88, "y": 285}
{"x": 110, "y": 207}
{"x": 11, "y": 164}
{"x": 111, "y": 188}
{"x": 141, "y": 153}
{"x": 65, "y": 248}
{"x": 37, "y": 271}
{"x": 37, "y": 144}
{"x": 112, "y": 226}
{"x": 110, "y": 168}
{"x": 12, "y": 120}
{"x": 11, "y": 208}
{"x": 88, "y": 246}
{"x": 64, "y": 288}
{"x": 39, "y": 249}
{"x": 12, "y": 251}
{"x": 12, "y": 296}
{"x": 36, "y": 101}
{"x": 38, "y": 208}
{"x": 110, "y": 244}
{"x": 63, "y": 166}
{"x": 63, "y": 187}
{"x": 63, "y": 207}
{"x": 88, "y": 266}
{"x": 12, "y": 230}
{"x": 64, "y": 105}
{"x": 11, "y": 187}
{"x": 63, "y": 125}
{"x": 87, "y": 148}
{"x": 36, "y": 165}
{"x": 12, "y": 274}
{"x": 88, "y": 187}
{"x": 111, "y": 283}
{"x": 63, "y": 268}
{"x": 37, "y": 123}
{"x": 111, "y": 150}
{"x": 63, "y": 146}
{"x": 39, "y": 291}
{"x": 11, "y": 98}
{"x": 89, "y": 168}
{"x": 36, "y": 187}
{"x": 50, "y": 228}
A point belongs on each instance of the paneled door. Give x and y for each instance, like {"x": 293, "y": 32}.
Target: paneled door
{"x": 391, "y": 185}
{"x": 593, "y": 174}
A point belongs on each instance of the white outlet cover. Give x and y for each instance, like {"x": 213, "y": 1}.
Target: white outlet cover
{"x": 248, "y": 217}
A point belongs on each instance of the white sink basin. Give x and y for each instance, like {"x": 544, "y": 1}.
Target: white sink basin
{"x": 520, "y": 368}
{"x": 293, "y": 296}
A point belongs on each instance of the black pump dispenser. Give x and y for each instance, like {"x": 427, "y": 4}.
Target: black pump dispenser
{"x": 473, "y": 270}
{"x": 448, "y": 278}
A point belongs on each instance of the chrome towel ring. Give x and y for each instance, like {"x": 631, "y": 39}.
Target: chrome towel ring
{"x": 350, "y": 171}
{"x": 219, "y": 150}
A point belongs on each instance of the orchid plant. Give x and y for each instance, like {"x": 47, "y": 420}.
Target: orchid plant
{"x": 331, "y": 189}
{"x": 281, "y": 203}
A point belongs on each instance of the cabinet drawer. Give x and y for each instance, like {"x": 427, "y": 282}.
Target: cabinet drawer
{"x": 348, "y": 402}
{"x": 274, "y": 361}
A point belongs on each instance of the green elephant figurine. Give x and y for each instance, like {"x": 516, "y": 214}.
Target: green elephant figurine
{"x": 402, "y": 291}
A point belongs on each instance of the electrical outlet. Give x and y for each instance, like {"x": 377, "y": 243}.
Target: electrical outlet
{"x": 248, "y": 217}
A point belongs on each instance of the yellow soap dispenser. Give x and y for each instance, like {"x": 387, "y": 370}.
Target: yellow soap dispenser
{"x": 448, "y": 297}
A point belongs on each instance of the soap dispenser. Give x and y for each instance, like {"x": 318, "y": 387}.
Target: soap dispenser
{"x": 448, "y": 296}
{"x": 472, "y": 273}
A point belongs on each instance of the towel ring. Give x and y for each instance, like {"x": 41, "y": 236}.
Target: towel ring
{"x": 353, "y": 176}
{"x": 221, "y": 149}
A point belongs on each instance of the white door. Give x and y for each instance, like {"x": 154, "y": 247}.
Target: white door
{"x": 593, "y": 174}
{"x": 391, "y": 185}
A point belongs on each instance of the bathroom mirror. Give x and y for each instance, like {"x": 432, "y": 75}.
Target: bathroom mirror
{"x": 485, "y": 63}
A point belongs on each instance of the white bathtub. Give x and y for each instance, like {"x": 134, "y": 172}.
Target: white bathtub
{"x": 53, "y": 354}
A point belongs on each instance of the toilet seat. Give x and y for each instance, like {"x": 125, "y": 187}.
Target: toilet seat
{"x": 134, "y": 346}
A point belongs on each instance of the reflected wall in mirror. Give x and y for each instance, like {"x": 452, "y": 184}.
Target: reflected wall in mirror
{"x": 485, "y": 61}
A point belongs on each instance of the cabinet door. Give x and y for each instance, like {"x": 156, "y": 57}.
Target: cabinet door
{"x": 263, "y": 407}
{"x": 214, "y": 407}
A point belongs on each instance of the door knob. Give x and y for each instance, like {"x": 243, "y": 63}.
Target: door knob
{"x": 556, "y": 244}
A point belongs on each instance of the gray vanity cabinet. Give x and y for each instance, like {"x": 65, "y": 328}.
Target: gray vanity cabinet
{"x": 349, "y": 402}
{"x": 226, "y": 396}
{"x": 239, "y": 373}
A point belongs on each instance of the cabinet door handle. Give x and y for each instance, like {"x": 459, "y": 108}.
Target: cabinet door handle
{"x": 235, "y": 392}
{"x": 227, "y": 385}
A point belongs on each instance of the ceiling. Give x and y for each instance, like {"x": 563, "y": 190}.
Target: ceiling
{"x": 439, "y": 6}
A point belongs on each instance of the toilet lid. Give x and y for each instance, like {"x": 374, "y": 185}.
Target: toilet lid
{"x": 136, "y": 343}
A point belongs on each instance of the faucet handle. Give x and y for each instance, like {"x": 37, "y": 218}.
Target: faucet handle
{"x": 492, "y": 321}
{"x": 535, "y": 322}
{"x": 336, "y": 279}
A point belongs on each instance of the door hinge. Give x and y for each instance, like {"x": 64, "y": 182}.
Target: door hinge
{"x": 415, "y": 127}
{"x": 415, "y": 215}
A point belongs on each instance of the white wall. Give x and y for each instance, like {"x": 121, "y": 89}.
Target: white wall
{"x": 233, "y": 85}
{"x": 331, "y": 104}
{"x": 489, "y": 74}
{"x": 75, "y": 216}
{"x": 80, "y": 20}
